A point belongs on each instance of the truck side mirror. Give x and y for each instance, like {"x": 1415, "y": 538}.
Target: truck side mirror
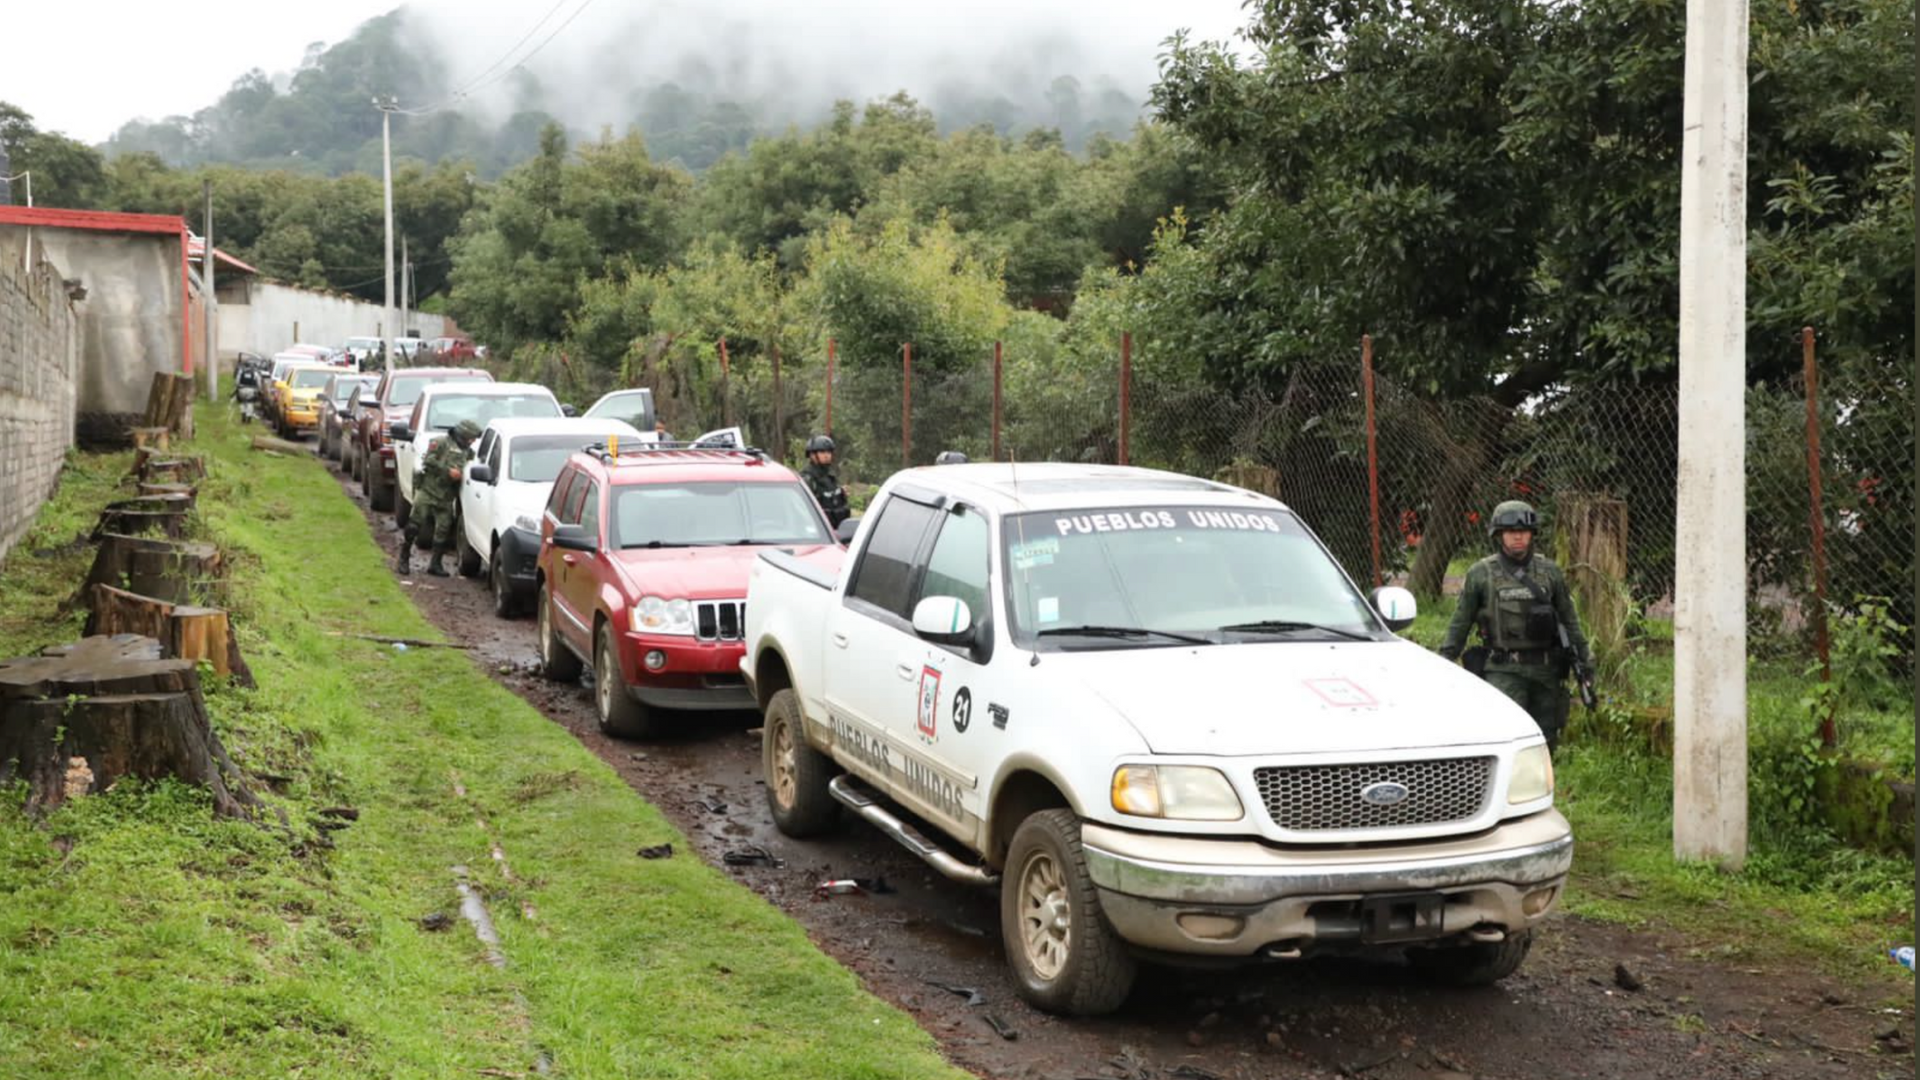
{"x": 569, "y": 411}
{"x": 844, "y": 531}
{"x": 400, "y": 432}
{"x": 1396, "y": 605}
{"x": 943, "y": 620}
{"x": 480, "y": 473}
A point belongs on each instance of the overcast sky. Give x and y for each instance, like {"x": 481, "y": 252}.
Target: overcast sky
{"x": 84, "y": 67}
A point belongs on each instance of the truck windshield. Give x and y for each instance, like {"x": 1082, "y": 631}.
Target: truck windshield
{"x": 446, "y": 411}
{"x": 711, "y": 514}
{"x": 309, "y": 378}
{"x": 406, "y": 388}
{"x": 1133, "y": 576}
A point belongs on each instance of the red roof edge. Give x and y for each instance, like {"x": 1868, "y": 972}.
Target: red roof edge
{"x": 98, "y": 220}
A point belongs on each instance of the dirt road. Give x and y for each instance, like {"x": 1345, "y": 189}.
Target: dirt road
{"x": 1593, "y": 1000}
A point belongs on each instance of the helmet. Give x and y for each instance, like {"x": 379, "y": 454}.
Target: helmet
{"x": 1512, "y": 514}
{"x": 465, "y": 432}
{"x": 820, "y": 444}
{"x": 950, "y": 457}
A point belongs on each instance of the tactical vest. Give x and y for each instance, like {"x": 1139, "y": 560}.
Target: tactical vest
{"x": 1519, "y": 613}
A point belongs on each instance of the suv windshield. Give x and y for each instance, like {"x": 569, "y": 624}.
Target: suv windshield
{"x": 447, "y": 410}
{"x": 1134, "y": 575}
{"x": 310, "y": 378}
{"x": 406, "y": 388}
{"x": 536, "y": 459}
{"x": 702, "y": 514}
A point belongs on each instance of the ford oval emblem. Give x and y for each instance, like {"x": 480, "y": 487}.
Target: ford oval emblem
{"x": 1384, "y": 793}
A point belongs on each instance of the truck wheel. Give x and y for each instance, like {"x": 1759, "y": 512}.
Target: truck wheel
{"x": 1065, "y": 959}
{"x": 379, "y": 495}
{"x": 469, "y": 558}
{"x": 797, "y": 775}
{"x": 1478, "y": 964}
{"x": 402, "y": 511}
{"x": 619, "y": 713}
{"x": 504, "y": 604}
{"x": 557, "y": 662}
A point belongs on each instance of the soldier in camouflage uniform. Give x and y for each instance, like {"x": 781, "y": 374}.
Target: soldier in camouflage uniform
{"x": 435, "y": 498}
{"x": 820, "y": 479}
{"x": 1519, "y": 601}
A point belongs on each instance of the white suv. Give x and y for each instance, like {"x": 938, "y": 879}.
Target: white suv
{"x": 440, "y": 408}
{"x": 505, "y": 490}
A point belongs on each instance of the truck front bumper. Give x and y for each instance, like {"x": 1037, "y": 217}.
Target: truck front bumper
{"x": 1240, "y": 898}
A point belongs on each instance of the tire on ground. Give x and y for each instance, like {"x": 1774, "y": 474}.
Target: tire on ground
{"x": 505, "y": 604}
{"x": 1083, "y": 970}
{"x": 619, "y": 713}
{"x": 796, "y": 774}
{"x": 1477, "y": 964}
{"x": 469, "y": 559}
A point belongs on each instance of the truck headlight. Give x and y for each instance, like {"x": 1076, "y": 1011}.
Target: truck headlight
{"x": 1184, "y": 792}
{"x": 527, "y": 524}
{"x": 655, "y": 615}
{"x": 1532, "y": 775}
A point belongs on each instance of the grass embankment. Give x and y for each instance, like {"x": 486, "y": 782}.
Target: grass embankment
{"x": 140, "y": 937}
{"x": 1804, "y": 898}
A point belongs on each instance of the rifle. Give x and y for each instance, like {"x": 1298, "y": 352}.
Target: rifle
{"x": 1587, "y": 695}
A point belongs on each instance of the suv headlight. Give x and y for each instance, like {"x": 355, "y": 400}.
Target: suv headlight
{"x": 1185, "y": 792}
{"x": 1532, "y": 775}
{"x": 655, "y": 615}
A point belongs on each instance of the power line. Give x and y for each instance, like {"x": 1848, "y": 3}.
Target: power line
{"x": 488, "y": 77}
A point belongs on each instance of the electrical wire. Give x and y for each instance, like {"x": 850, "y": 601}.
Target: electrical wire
{"x": 487, "y": 76}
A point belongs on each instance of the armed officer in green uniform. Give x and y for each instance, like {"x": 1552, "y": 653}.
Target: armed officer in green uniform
{"x": 1530, "y": 635}
{"x": 435, "y": 498}
{"x": 821, "y": 480}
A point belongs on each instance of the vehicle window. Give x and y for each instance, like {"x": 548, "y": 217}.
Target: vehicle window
{"x": 406, "y": 388}
{"x": 958, "y": 565}
{"x": 447, "y": 410}
{"x": 493, "y": 461}
{"x": 571, "y": 515}
{"x": 716, "y": 513}
{"x": 590, "y": 511}
{"x": 1191, "y": 570}
{"x": 634, "y": 407}
{"x": 557, "y": 502}
{"x": 413, "y": 418}
{"x": 537, "y": 459}
{"x": 884, "y": 577}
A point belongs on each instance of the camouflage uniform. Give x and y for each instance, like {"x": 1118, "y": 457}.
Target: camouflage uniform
{"x": 1519, "y": 607}
{"x": 436, "y": 497}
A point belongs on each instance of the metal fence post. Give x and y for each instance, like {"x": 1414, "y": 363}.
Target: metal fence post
{"x": 1126, "y": 391}
{"x": 906, "y": 405}
{"x": 726, "y": 394}
{"x": 996, "y": 401}
{"x": 1819, "y": 526}
{"x": 829, "y": 386}
{"x": 1373, "y": 454}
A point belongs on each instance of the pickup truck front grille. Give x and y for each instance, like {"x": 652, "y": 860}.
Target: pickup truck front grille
{"x": 719, "y": 620}
{"x": 1328, "y": 798}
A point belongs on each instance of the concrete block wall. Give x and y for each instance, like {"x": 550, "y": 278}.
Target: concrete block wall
{"x": 39, "y": 361}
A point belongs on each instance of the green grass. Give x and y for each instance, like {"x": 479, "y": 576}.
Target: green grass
{"x": 1802, "y": 898}
{"x": 141, "y": 937}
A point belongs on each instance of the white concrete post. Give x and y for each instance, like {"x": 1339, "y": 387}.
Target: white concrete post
{"x": 386, "y": 164}
{"x": 1710, "y": 587}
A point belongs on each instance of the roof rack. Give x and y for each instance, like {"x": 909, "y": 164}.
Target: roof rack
{"x": 641, "y": 451}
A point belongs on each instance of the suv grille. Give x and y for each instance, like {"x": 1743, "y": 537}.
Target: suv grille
{"x": 719, "y": 620}
{"x": 1313, "y": 798}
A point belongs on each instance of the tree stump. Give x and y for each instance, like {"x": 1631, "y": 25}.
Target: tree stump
{"x": 79, "y": 717}
{"x": 157, "y": 470}
{"x": 189, "y": 490}
{"x": 163, "y": 569}
{"x": 150, "y": 438}
{"x": 187, "y": 632}
{"x": 1591, "y": 531}
{"x": 131, "y": 517}
{"x": 169, "y": 399}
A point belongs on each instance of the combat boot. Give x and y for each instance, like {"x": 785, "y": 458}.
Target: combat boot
{"x": 433, "y": 565}
{"x": 403, "y": 554}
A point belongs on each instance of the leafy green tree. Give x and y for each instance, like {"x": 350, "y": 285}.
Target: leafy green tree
{"x": 65, "y": 173}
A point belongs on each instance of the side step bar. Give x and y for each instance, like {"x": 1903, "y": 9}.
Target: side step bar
{"x": 857, "y": 798}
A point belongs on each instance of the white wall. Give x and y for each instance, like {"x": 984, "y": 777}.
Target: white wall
{"x": 265, "y": 324}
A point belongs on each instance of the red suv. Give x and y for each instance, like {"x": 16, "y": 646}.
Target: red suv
{"x": 643, "y": 568}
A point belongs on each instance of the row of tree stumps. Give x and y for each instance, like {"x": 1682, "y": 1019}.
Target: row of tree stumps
{"x": 126, "y": 701}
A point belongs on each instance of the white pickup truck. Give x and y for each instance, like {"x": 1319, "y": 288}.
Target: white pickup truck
{"x": 440, "y": 408}
{"x": 1157, "y": 714}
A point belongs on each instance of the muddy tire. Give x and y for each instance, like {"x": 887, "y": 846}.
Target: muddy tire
{"x": 379, "y": 495}
{"x": 1478, "y": 964}
{"x": 619, "y": 714}
{"x": 557, "y": 662}
{"x": 468, "y": 559}
{"x": 1064, "y": 957}
{"x": 505, "y": 604}
{"x": 797, "y": 775}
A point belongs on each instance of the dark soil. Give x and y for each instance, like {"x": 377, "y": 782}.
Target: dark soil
{"x": 933, "y": 948}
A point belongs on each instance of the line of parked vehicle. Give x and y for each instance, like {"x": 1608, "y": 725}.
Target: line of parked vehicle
{"x": 1151, "y": 709}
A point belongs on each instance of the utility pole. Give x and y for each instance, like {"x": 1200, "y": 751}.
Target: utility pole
{"x": 1710, "y": 585}
{"x": 206, "y": 279}
{"x": 387, "y": 105}
{"x": 406, "y": 286}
